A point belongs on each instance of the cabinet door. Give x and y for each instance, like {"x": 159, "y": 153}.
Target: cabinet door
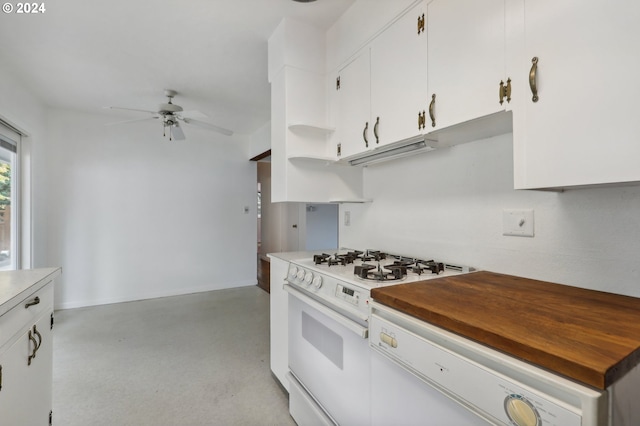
{"x": 399, "y": 78}
{"x": 466, "y": 44}
{"x": 584, "y": 127}
{"x": 25, "y": 397}
{"x": 355, "y": 106}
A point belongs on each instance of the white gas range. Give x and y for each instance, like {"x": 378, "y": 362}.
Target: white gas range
{"x": 329, "y": 308}
{"x": 343, "y": 280}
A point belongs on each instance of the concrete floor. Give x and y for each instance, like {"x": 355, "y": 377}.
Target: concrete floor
{"x": 200, "y": 359}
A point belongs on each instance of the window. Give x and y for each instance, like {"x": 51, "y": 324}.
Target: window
{"x": 9, "y": 206}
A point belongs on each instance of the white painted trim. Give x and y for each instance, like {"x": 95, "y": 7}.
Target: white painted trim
{"x": 152, "y": 295}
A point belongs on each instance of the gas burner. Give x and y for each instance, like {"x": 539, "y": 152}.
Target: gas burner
{"x": 376, "y": 255}
{"x": 356, "y": 254}
{"x": 427, "y": 265}
{"x": 320, "y": 258}
{"x": 403, "y": 261}
{"x": 378, "y": 273}
{"x": 336, "y": 261}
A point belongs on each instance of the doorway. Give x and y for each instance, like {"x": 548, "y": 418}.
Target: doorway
{"x": 284, "y": 227}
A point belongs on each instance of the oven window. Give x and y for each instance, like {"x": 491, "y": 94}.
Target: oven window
{"x": 323, "y": 339}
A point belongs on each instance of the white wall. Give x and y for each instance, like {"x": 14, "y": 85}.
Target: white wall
{"x": 321, "y": 226}
{"x": 448, "y": 204}
{"x": 260, "y": 141}
{"x": 131, "y": 215}
{"x": 24, "y": 110}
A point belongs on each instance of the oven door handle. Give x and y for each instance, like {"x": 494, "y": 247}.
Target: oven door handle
{"x": 340, "y": 319}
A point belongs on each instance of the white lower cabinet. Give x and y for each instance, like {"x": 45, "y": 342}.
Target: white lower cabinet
{"x": 26, "y": 360}
{"x": 279, "y": 320}
{"x": 25, "y": 397}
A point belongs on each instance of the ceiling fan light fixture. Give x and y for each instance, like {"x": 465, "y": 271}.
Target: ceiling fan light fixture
{"x": 171, "y": 114}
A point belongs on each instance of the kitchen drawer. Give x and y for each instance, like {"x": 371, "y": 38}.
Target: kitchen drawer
{"x": 20, "y": 317}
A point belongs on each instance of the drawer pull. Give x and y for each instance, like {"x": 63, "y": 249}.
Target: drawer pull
{"x": 35, "y": 301}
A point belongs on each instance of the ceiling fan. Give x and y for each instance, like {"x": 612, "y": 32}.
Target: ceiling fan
{"x": 172, "y": 116}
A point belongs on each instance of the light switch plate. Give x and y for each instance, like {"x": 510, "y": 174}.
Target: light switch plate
{"x": 517, "y": 223}
{"x": 347, "y": 218}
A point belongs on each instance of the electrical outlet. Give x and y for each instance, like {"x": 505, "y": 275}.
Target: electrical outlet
{"x": 347, "y": 218}
{"x": 246, "y": 209}
{"x": 518, "y": 223}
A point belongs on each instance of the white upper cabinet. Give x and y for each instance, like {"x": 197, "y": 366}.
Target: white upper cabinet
{"x": 399, "y": 78}
{"x": 382, "y": 91}
{"x": 466, "y": 50}
{"x": 583, "y": 129}
{"x": 353, "y": 88}
{"x": 302, "y": 161}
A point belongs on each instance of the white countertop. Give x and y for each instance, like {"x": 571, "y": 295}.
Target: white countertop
{"x": 17, "y": 285}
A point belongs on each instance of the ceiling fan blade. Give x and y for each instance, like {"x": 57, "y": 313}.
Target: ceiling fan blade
{"x": 176, "y": 132}
{"x": 130, "y": 121}
{"x": 132, "y": 109}
{"x": 208, "y": 126}
{"x": 194, "y": 114}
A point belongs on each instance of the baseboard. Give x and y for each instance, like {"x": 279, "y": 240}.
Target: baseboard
{"x": 151, "y": 295}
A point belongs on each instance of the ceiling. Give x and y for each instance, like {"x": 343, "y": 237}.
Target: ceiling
{"x": 85, "y": 55}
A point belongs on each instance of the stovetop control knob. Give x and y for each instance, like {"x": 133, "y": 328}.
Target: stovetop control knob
{"x": 300, "y": 275}
{"x": 308, "y": 278}
{"x": 317, "y": 282}
{"x": 293, "y": 271}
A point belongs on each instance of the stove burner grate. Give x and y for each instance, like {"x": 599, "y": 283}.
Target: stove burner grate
{"x": 378, "y": 273}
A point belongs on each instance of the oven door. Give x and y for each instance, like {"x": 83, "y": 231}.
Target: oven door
{"x": 331, "y": 360}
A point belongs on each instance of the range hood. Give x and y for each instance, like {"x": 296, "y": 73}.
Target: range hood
{"x": 392, "y": 151}
{"x": 480, "y": 128}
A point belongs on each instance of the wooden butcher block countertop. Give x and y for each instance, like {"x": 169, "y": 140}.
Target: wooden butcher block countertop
{"x": 589, "y": 336}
